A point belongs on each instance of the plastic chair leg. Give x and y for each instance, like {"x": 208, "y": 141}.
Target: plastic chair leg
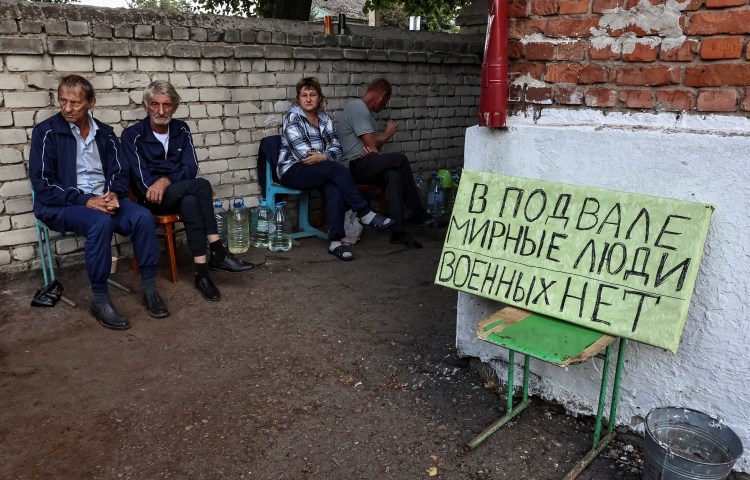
{"x": 42, "y": 235}
{"x": 122, "y": 287}
{"x": 304, "y": 218}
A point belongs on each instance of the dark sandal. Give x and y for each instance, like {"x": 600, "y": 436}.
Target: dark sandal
{"x": 342, "y": 250}
{"x": 380, "y": 222}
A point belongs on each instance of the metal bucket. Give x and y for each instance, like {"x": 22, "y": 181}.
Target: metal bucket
{"x": 684, "y": 444}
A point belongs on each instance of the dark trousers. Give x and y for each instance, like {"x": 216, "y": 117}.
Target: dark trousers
{"x": 339, "y": 189}
{"x": 98, "y": 227}
{"x": 193, "y": 200}
{"x": 392, "y": 172}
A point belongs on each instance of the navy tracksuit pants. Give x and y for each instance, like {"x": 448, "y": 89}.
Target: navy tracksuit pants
{"x": 98, "y": 227}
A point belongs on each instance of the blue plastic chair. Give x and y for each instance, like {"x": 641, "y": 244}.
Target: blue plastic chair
{"x": 48, "y": 264}
{"x": 268, "y": 154}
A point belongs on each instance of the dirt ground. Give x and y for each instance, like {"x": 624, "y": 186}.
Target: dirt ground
{"x": 308, "y": 368}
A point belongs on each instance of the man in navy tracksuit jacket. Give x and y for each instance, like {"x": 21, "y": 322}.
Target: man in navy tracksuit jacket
{"x": 80, "y": 182}
{"x": 164, "y": 166}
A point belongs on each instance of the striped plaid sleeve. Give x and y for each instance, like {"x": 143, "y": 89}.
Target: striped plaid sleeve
{"x": 333, "y": 147}
{"x": 296, "y": 140}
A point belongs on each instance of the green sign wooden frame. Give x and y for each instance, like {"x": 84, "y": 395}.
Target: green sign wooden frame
{"x": 621, "y": 263}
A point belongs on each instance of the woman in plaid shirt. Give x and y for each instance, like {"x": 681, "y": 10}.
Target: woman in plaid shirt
{"x": 309, "y": 159}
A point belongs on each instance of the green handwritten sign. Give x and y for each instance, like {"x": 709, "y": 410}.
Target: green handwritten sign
{"x": 616, "y": 262}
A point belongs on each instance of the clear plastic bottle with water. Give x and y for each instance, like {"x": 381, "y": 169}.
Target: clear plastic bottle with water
{"x": 279, "y": 231}
{"x": 450, "y": 188}
{"x": 238, "y": 229}
{"x": 259, "y": 225}
{"x": 220, "y": 214}
{"x": 436, "y": 198}
{"x": 454, "y": 189}
{"x": 421, "y": 190}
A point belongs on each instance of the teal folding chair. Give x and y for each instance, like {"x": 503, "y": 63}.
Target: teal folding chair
{"x": 268, "y": 154}
{"x": 43, "y": 236}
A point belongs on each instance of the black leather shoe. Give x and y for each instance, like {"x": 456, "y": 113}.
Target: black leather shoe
{"x": 155, "y": 305}
{"x": 229, "y": 264}
{"x": 109, "y": 317}
{"x": 207, "y": 289}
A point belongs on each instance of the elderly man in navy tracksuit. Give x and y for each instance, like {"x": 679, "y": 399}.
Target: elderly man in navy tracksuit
{"x": 160, "y": 151}
{"x": 80, "y": 181}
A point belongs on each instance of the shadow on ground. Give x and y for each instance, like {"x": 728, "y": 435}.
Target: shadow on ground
{"x": 308, "y": 367}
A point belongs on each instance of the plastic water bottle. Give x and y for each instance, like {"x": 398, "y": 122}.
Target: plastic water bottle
{"x": 436, "y": 198}
{"x": 421, "y": 190}
{"x": 238, "y": 228}
{"x": 454, "y": 189}
{"x": 279, "y": 231}
{"x": 221, "y": 220}
{"x": 449, "y": 188}
{"x": 259, "y": 225}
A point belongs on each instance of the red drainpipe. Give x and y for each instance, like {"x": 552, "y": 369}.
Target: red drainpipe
{"x": 493, "y": 97}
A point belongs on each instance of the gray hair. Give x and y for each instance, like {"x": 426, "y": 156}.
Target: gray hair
{"x": 160, "y": 86}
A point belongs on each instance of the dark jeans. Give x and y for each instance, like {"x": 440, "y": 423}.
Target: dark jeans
{"x": 338, "y": 187}
{"x": 392, "y": 172}
{"x": 193, "y": 199}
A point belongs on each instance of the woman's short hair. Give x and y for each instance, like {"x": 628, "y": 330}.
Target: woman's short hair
{"x": 161, "y": 87}
{"x": 310, "y": 83}
{"x": 73, "y": 81}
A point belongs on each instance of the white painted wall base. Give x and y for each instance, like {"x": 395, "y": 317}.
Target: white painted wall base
{"x": 702, "y": 159}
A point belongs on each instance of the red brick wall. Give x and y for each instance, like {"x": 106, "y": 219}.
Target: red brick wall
{"x": 617, "y": 54}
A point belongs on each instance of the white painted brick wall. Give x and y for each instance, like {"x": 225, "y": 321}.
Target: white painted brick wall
{"x": 73, "y": 64}
{"x": 202, "y": 81}
{"x": 102, "y": 64}
{"x": 107, "y": 116}
{"x": 212, "y": 139}
{"x": 12, "y": 172}
{"x": 223, "y": 152}
{"x": 24, "y": 253}
{"x": 66, "y": 245}
{"x": 10, "y": 136}
{"x": 22, "y": 221}
{"x": 124, "y": 64}
{"x": 23, "y": 119}
{"x": 11, "y": 82}
{"x": 27, "y": 63}
{"x": 214, "y": 166}
{"x": 214, "y": 110}
{"x": 179, "y": 80}
{"x": 210, "y": 125}
{"x": 16, "y": 205}
{"x": 215, "y": 95}
{"x": 18, "y": 237}
{"x": 229, "y": 103}
{"x": 112, "y": 99}
{"x": 198, "y": 111}
{"x": 26, "y": 99}
{"x": 42, "y": 115}
{"x": 130, "y": 80}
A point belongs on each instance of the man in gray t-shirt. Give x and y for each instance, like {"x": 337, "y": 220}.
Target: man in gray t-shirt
{"x": 362, "y": 143}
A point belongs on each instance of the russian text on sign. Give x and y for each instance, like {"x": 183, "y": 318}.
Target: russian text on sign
{"x": 617, "y": 262}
